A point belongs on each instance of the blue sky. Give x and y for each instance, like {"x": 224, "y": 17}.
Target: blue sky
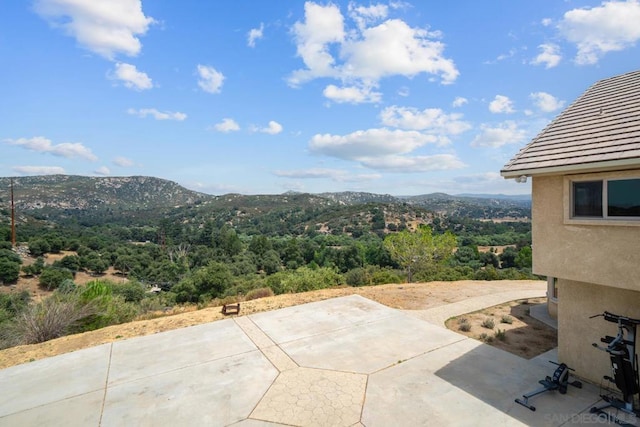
{"x": 263, "y": 97}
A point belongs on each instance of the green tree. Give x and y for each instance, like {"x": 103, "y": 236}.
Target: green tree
{"x": 39, "y": 247}
{"x": 467, "y": 256}
{"x": 52, "y": 277}
{"x": 10, "y": 255}
{"x": 524, "y": 258}
{"x": 35, "y": 268}
{"x": 420, "y": 249}
{"x": 95, "y": 263}
{"x": 70, "y": 262}
{"x": 271, "y": 262}
{"x": 210, "y": 281}
{"x": 508, "y": 257}
{"x": 9, "y": 270}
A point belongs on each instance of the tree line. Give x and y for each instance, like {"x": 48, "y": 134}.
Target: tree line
{"x": 213, "y": 261}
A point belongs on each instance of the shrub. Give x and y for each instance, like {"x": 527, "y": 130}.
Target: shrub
{"x": 162, "y": 301}
{"x": 70, "y": 262}
{"x": 50, "y": 318}
{"x": 131, "y": 291}
{"x": 13, "y": 303}
{"x": 52, "y": 277}
{"x": 35, "y": 268}
{"x": 258, "y": 293}
{"x": 506, "y": 319}
{"x": 95, "y": 289}
{"x": 303, "y": 279}
{"x": 501, "y": 335}
{"x": 464, "y": 325}
{"x": 357, "y": 277}
{"x": 385, "y": 275}
{"x": 67, "y": 287}
{"x": 184, "y": 292}
{"x": 10, "y": 255}
{"x": 108, "y": 310}
{"x": 488, "y": 323}
{"x": 38, "y": 247}
{"x": 486, "y": 338}
{"x": 9, "y": 271}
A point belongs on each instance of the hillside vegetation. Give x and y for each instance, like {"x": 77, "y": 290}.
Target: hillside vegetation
{"x": 194, "y": 248}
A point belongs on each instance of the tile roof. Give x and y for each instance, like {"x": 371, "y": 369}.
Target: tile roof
{"x": 600, "y": 130}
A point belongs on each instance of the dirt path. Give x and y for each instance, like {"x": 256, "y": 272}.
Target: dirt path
{"x": 407, "y": 296}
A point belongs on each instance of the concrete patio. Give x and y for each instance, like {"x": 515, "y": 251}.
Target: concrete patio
{"x": 342, "y": 362}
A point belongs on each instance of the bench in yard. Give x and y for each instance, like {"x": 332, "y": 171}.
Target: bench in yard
{"x": 231, "y": 308}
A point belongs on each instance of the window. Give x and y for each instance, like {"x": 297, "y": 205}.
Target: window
{"x": 606, "y": 198}
{"x": 623, "y": 198}
{"x": 587, "y": 198}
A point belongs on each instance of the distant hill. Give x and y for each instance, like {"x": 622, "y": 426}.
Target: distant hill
{"x": 355, "y": 198}
{"x": 82, "y": 192}
{"x": 522, "y": 197}
{"x": 142, "y": 201}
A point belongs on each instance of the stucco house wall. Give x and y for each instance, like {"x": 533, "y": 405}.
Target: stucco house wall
{"x": 597, "y": 264}
{"x": 594, "y": 251}
{"x": 576, "y": 332}
{"x": 592, "y": 259}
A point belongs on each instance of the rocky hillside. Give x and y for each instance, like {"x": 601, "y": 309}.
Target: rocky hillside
{"x": 90, "y": 201}
{"x": 88, "y": 193}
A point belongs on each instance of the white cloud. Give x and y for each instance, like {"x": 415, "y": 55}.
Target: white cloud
{"x": 429, "y": 119}
{"x": 495, "y": 137}
{"x": 546, "y": 102}
{"x": 102, "y": 170}
{"x": 68, "y": 150}
{"x": 351, "y": 94}
{"x": 549, "y": 55}
{"x": 158, "y": 115}
{"x": 367, "y": 15}
{"x": 332, "y": 174}
{"x": 503, "y": 56}
{"x": 323, "y": 25}
{"x": 39, "y": 170}
{"x": 227, "y": 125}
{"x": 369, "y": 143}
{"x": 274, "y": 128}
{"x": 385, "y": 150}
{"x": 131, "y": 77}
{"x": 106, "y": 28}
{"x": 123, "y": 162}
{"x": 501, "y": 104}
{"x": 359, "y": 57}
{"x": 546, "y": 22}
{"x": 612, "y": 26}
{"x": 459, "y": 101}
{"x": 210, "y": 80}
{"x": 394, "y": 48}
{"x": 255, "y": 34}
{"x": 405, "y": 164}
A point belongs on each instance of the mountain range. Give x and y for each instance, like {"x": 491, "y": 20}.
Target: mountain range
{"x": 115, "y": 199}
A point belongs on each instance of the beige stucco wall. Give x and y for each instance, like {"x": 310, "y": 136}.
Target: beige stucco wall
{"x": 576, "y": 332}
{"x": 600, "y": 252}
{"x": 597, "y": 264}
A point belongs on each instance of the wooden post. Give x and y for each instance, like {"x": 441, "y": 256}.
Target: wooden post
{"x": 13, "y": 218}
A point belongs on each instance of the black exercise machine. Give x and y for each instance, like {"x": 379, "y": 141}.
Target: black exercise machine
{"x": 559, "y": 381}
{"x": 624, "y": 368}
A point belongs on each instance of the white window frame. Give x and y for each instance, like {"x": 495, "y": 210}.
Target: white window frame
{"x": 605, "y": 219}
